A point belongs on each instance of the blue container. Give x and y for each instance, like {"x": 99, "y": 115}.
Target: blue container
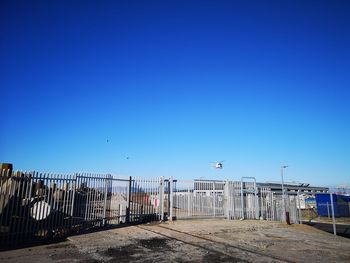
{"x": 341, "y": 205}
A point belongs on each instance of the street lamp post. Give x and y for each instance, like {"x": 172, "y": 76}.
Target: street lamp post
{"x": 286, "y": 214}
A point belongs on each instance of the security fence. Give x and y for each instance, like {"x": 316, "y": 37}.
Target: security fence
{"x": 197, "y": 199}
{"x": 36, "y": 206}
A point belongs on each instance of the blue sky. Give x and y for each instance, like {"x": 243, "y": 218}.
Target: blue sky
{"x": 176, "y": 85}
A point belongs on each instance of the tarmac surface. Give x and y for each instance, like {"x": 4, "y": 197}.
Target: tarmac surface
{"x": 211, "y": 240}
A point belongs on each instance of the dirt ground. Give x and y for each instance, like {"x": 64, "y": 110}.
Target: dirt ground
{"x": 194, "y": 241}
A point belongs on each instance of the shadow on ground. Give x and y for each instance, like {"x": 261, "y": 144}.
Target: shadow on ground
{"x": 341, "y": 229}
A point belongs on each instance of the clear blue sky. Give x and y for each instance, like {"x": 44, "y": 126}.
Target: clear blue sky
{"x": 176, "y": 85}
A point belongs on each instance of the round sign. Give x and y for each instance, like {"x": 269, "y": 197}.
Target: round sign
{"x": 40, "y": 210}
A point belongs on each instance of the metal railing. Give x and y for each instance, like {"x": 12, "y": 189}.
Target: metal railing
{"x": 198, "y": 199}
{"x": 36, "y": 206}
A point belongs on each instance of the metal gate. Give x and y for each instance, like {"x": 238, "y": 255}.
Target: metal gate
{"x": 196, "y": 198}
{"x": 267, "y": 204}
{"x": 100, "y": 200}
{"x": 35, "y": 206}
{"x": 145, "y": 199}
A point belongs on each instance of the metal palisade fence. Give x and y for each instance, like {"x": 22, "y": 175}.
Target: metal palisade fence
{"x": 36, "y": 206}
{"x": 41, "y": 206}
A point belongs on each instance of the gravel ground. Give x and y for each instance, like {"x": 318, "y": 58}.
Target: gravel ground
{"x": 194, "y": 241}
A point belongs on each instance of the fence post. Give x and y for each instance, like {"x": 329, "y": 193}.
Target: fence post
{"x": 256, "y": 200}
{"x": 189, "y": 202}
{"x": 299, "y": 208}
{"x": 262, "y": 208}
{"x": 214, "y": 200}
{"x": 128, "y": 211}
{"x": 333, "y": 216}
{"x": 287, "y": 205}
{"x": 242, "y": 201}
{"x": 227, "y": 199}
{"x": 273, "y": 207}
{"x": 120, "y": 213}
{"x": 73, "y": 200}
{"x": 161, "y": 198}
{"x": 105, "y": 202}
{"x": 171, "y": 198}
